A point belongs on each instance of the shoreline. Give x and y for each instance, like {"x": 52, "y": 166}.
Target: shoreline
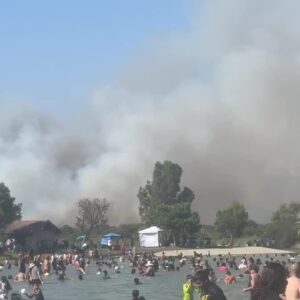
{"x": 225, "y": 251}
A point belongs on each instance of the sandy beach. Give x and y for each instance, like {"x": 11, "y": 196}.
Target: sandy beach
{"x": 224, "y": 251}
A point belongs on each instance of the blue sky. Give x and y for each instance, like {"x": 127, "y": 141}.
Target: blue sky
{"x": 228, "y": 79}
{"x": 53, "y": 54}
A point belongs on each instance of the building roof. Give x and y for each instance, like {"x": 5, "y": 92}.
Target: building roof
{"x": 111, "y": 235}
{"x": 25, "y": 225}
{"x": 152, "y": 229}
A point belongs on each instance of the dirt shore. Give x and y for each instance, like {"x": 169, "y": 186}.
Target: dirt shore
{"x": 225, "y": 251}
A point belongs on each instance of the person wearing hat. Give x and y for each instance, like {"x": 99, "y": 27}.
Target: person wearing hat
{"x": 208, "y": 290}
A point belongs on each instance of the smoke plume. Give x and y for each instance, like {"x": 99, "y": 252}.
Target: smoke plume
{"x": 221, "y": 99}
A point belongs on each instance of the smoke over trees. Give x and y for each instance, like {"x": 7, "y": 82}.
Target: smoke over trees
{"x": 284, "y": 227}
{"x": 91, "y": 213}
{"x": 162, "y": 203}
{"x": 220, "y": 98}
{"x": 233, "y": 219}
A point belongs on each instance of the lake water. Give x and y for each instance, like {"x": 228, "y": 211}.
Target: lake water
{"x": 164, "y": 286}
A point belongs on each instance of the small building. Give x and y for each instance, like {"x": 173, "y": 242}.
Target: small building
{"x": 40, "y": 236}
{"x": 149, "y": 237}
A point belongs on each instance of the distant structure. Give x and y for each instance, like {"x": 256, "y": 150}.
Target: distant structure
{"x": 149, "y": 237}
{"x": 41, "y": 236}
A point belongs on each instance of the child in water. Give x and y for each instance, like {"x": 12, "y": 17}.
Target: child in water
{"x": 229, "y": 278}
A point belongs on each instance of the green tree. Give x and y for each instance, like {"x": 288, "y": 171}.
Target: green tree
{"x": 91, "y": 213}
{"x": 9, "y": 211}
{"x": 233, "y": 219}
{"x": 283, "y": 227}
{"x": 163, "y": 203}
{"x": 129, "y": 232}
{"x": 69, "y": 233}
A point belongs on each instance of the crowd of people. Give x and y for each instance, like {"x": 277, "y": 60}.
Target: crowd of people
{"x": 35, "y": 268}
{"x": 268, "y": 278}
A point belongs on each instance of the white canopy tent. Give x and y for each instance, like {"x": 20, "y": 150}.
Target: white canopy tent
{"x": 149, "y": 237}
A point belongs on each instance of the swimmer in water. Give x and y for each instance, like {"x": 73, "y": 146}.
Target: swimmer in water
{"x": 136, "y": 281}
{"x": 229, "y": 278}
{"x": 105, "y": 275}
{"x": 135, "y": 295}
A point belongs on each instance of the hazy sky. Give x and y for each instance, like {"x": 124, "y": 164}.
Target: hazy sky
{"x": 54, "y": 54}
{"x": 93, "y": 93}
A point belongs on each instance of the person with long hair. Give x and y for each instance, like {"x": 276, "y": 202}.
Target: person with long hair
{"x": 255, "y": 277}
{"x": 272, "y": 283}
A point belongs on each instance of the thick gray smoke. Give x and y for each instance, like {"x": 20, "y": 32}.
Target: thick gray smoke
{"x": 222, "y": 100}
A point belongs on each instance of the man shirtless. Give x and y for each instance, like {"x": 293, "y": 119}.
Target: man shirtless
{"x": 292, "y": 291}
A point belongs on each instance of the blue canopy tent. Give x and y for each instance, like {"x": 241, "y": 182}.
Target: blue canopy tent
{"x": 107, "y": 239}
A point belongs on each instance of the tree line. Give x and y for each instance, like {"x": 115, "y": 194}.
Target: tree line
{"x": 163, "y": 202}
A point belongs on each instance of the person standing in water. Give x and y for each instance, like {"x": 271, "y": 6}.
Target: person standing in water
{"x": 47, "y": 265}
{"x": 255, "y": 277}
{"x": 5, "y": 287}
{"x": 188, "y": 289}
{"x": 292, "y": 291}
{"x": 229, "y": 278}
{"x": 208, "y": 290}
{"x": 34, "y": 273}
{"x": 272, "y": 282}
